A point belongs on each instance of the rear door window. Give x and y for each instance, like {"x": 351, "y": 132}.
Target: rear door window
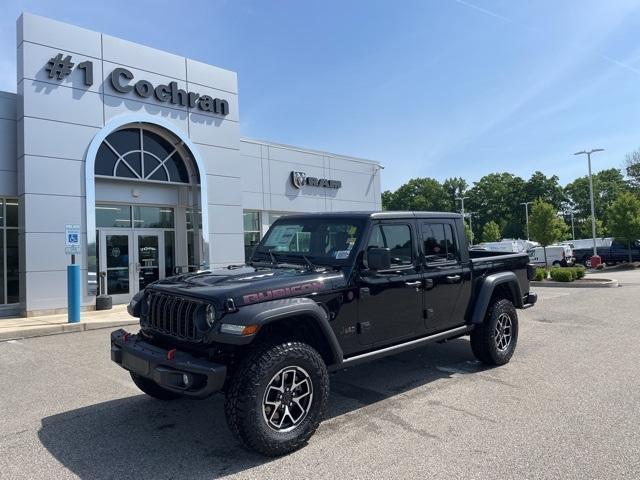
{"x": 439, "y": 243}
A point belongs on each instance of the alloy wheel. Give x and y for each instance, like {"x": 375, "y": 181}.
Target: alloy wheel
{"x": 287, "y": 399}
{"x": 503, "y": 332}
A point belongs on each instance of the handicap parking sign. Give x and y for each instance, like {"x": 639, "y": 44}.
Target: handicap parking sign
{"x": 72, "y": 235}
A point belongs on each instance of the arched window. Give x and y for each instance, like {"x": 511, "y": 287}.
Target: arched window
{"x": 140, "y": 154}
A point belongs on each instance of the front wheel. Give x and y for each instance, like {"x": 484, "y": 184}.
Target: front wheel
{"x": 494, "y": 341}
{"x": 277, "y": 397}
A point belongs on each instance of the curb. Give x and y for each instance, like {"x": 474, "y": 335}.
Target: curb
{"x": 604, "y": 283}
{"x": 56, "y": 329}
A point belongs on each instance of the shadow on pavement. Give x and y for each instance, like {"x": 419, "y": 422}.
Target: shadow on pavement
{"x": 139, "y": 437}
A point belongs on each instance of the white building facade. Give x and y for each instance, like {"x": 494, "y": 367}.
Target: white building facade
{"x": 141, "y": 150}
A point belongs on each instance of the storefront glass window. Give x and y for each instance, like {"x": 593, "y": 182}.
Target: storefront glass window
{"x": 9, "y": 252}
{"x": 273, "y": 216}
{"x": 113, "y": 216}
{"x": 169, "y": 253}
{"x": 192, "y": 254}
{"x": 251, "y": 232}
{"x": 153, "y": 217}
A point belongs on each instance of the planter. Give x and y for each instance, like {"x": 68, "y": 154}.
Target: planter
{"x": 582, "y": 283}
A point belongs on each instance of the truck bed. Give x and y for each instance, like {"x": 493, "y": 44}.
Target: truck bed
{"x": 485, "y": 263}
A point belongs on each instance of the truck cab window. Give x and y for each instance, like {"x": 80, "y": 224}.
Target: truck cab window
{"x": 438, "y": 242}
{"x": 397, "y": 238}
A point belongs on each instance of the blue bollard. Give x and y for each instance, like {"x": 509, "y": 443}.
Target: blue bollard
{"x": 73, "y": 293}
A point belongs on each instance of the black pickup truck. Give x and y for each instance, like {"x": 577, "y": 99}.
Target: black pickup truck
{"x": 617, "y": 252}
{"x": 321, "y": 292}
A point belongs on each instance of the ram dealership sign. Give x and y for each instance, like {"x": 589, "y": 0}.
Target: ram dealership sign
{"x": 300, "y": 179}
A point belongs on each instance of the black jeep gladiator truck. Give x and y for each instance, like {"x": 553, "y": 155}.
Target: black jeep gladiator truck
{"x": 322, "y": 292}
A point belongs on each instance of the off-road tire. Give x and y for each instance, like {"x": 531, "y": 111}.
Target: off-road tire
{"x": 483, "y": 337}
{"x": 152, "y": 389}
{"x": 245, "y": 394}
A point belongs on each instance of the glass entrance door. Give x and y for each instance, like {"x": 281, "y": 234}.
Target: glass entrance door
{"x": 131, "y": 260}
{"x": 115, "y": 262}
{"x": 149, "y": 262}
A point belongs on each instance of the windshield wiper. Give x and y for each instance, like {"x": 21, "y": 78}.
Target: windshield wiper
{"x": 274, "y": 261}
{"x": 309, "y": 263}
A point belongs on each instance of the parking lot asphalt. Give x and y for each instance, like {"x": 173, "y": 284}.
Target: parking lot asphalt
{"x": 567, "y": 406}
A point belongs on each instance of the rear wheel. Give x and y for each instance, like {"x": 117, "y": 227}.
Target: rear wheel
{"x": 152, "y": 389}
{"x": 277, "y": 397}
{"x": 494, "y": 341}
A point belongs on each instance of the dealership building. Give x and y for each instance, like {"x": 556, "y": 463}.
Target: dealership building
{"x": 131, "y": 160}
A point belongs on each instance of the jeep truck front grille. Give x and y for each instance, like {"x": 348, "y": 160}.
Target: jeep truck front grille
{"x": 174, "y": 315}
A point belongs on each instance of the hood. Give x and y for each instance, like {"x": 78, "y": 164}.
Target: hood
{"x": 247, "y": 285}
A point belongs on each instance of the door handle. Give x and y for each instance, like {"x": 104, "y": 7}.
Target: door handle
{"x": 453, "y": 278}
{"x": 414, "y": 284}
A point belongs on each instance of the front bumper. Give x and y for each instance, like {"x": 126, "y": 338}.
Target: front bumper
{"x": 169, "y": 371}
{"x": 530, "y": 299}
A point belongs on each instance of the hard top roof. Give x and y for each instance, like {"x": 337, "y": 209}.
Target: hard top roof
{"x": 387, "y": 215}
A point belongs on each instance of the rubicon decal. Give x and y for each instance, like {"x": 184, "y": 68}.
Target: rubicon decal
{"x": 282, "y": 292}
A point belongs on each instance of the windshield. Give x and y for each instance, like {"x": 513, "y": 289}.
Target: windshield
{"x": 320, "y": 240}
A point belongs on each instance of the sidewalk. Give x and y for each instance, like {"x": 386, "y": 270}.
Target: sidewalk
{"x": 17, "y": 328}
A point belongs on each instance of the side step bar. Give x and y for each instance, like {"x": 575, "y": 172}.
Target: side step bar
{"x": 383, "y": 352}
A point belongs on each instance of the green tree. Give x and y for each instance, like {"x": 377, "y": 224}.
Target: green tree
{"x": 546, "y": 188}
{"x": 454, "y": 187}
{"x": 624, "y": 219}
{"x": 632, "y": 167}
{"x": 585, "y": 230}
{"x": 497, "y": 197}
{"x": 387, "y": 198}
{"x": 544, "y": 225}
{"x": 607, "y": 185}
{"x": 491, "y": 232}
{"x": 426, "y": 194}
{"x": 468, "y": 233}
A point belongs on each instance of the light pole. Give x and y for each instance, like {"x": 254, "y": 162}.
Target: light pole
{"x": 593, "y": 209}
{"x": 462, "y": 199}
{"x": 573, "y": 228}
{"x": 526, "y": 214}
{"x": 471, "y": 214}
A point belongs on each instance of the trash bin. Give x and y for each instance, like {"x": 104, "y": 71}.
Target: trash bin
{"x": 595, "y": 261}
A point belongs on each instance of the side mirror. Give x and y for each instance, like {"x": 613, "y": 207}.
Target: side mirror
{"x": 378, "y": 259}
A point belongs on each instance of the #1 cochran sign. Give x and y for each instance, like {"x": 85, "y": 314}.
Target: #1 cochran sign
{"x": 122, "y": 82}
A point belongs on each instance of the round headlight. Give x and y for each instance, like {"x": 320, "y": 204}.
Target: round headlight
{"x": 210, "y": 315}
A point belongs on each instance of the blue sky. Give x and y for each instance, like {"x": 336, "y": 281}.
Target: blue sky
{"x": 433, "y": 88}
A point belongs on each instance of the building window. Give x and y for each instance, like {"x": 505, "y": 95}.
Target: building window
{"x": 139, "y": 154}
{"x": 251, "y": 232}
{"x": 273, "y": 216}
{"x": 119, "y": 216}
{"x": 9, "y": 251}
{"x": 193, "y": 253}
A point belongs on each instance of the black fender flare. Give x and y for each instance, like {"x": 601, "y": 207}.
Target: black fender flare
{"x": 264, "y": 313}
{"x": 487, "y": 288}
